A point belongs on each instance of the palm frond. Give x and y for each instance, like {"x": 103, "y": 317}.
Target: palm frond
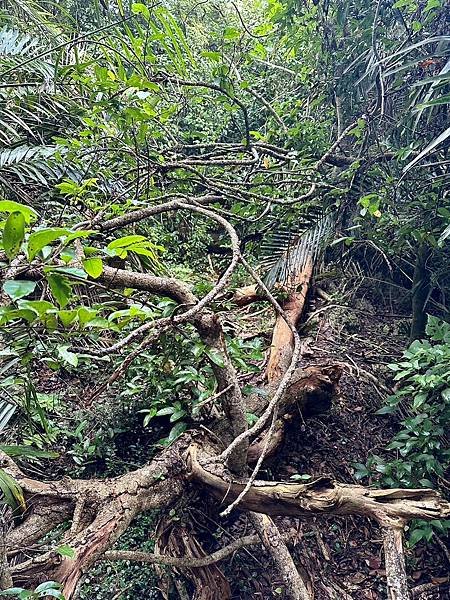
{"x": 15, "y": 47}
{"x": 286, "y": 252}
{"x": 31, "y": 163}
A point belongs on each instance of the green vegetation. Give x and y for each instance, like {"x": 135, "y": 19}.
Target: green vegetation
{"x": 153, "y": 158}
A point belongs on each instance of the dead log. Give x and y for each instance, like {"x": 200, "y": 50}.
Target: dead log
{"x": 295, "y": 587}
{"x": 109, "y": 505}
{"x": 282, "y": 339}
{"x": 324, "y": 496}
{"x": 176, "y": 540}
{"x": 397, "y": 586}
{"x": 310, "y": 392}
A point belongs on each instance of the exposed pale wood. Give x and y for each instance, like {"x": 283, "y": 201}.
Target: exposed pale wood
{"x": 397, "y": 583}
{"x": 324, "y": 496}
{"x": 246, "y": 295}
{"x": 282, "y": 339}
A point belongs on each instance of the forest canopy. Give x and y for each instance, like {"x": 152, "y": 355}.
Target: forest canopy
{"x": 224, "y": 322}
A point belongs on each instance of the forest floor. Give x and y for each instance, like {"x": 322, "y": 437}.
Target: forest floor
{"x": 341, "y": 556}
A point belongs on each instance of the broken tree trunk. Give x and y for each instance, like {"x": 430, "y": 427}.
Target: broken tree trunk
{"x": 282, "y": 338}
{"x": 246, "y": 295}
{"x": 397, "y": 584}
{"x": 107, "y": 507}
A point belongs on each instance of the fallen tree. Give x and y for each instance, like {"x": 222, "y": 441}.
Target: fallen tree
{"x": 101, "y": 510}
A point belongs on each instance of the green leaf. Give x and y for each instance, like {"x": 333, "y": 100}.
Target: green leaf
{"x": 48, "y": 585}
{"x": 60, "y": 288}
{"x": 40, "y": 307}
{"x": 430, "y": 148}
{"x": 67, "y": 317}
{"x": 66, "y": 550}
{"x": 14, "y": 591}
{"x": 176, "y": 431}
{"x": 386, "y": 410}
{"x": 69, "y": 357}
{"x": 13, "y": 234}
{"x": 18, "y": 288}
{"x": 43, "y": 237}
{"x": 86, "y": 315}
{"x": 128, "y": 240}
{"x": 416, "y": 536}
{"x": 28, "y": 452}
{"x": 215, "y": 356}
{"x": 10, "y": 206}
{"x": 12, "y": 492}
{"x": 93, "y": 267}
{"x": 167, "y": 410}
{"x": 139, "y": 8}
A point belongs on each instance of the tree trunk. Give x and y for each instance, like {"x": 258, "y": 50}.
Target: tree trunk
{"x": 420, "y": 291}
{"x": 282, "y": 339}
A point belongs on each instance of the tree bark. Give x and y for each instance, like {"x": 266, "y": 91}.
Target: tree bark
{"x": 282, "y": 339}
{"x": 295, "y": 587}
{"x": 420, "y": 291}
{"x": 397, "y": 583}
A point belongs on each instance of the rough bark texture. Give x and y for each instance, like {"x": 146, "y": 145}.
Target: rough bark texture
{"x": 324, "y": 496}
{"x": 108, "y": 507}
{"x": 420, "y": 291}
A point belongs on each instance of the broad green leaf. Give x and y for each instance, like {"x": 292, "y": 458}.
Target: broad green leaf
{"x": 69, "y": 357}
{"x": 12, "y": 492}
{"x": 41, "y": 307}
{"x": 93, "y": 267}
{"x": 176, "y": 431}
{"x": 139, "y": 8}
{"x": 48, "y": 585}
{"x": 43, "y": 237}
{"x": 215, "y": 356}
{"x": 60, "y": 287}
{"x": 18, "y": 288}
{"x": 13, "y": 234}
{"x": 86, "y": 315}
{"x": 66, "y": 550}
{"x": 167, "y": 410}
{"x": 67, "y": 317}
{"x": 126, "y": 241}
{"x": 73, "y": 271}
{"x": 10, "y": 206}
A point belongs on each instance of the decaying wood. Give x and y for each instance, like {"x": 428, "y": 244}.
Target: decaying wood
{"x": 208, "y": 580}
{"x": 282, "y": 340}
{"x": 111, "y": 504}
{"x": 397, "y": 584}
{"x": 246, "y": 295}
{"x": 324, "y": 496}
{"x": 310, "y": 392}
{"x": 295, "y": 587}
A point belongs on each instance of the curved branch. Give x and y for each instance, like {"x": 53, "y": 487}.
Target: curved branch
{"x": 187, "y": 562}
